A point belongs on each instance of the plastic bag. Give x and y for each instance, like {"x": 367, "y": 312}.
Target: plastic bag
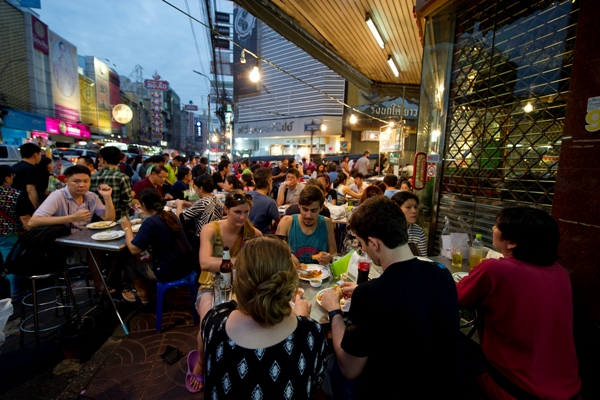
{"x": 453, "y": 236}
{"x": 337, "y": 212}
{"x": 6, "y": 310}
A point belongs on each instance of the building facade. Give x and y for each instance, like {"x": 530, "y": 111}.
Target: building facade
{"x": 281, "y": 115}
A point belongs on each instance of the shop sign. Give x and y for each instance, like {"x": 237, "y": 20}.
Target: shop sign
{"x": 24, "y": 121}
{"x": 58, "y": 127}
{"x": 190, "y": 107}
{"x": 392, "y": 108}
{"x": 369, "y": 136}
{"x": 312, "y": 127}
{"x": 156, "y": 85}
{"x": 223, "y": 30}
{"x": 592, "y": 118}
{"x": 276, "y": 127}
{"x": 222, "y": 17}
{"x": 39, "y": 32}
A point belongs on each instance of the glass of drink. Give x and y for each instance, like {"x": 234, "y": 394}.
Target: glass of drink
{"x": 457, "y": 257}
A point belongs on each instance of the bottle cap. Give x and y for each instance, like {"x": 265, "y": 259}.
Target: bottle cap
{"x": 479, "y": 236}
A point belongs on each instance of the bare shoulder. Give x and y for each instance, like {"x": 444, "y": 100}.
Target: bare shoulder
{"x": 284, "y": 225}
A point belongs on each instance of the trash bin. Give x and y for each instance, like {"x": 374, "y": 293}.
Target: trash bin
{"x": 6, "y": 310}
{"x": 74, "y": 335}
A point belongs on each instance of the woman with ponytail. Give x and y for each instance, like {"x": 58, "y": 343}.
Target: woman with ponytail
{"x": 159, "y": 251}
{"x": 275, "y": 348}
{"x": 342, "y": 190}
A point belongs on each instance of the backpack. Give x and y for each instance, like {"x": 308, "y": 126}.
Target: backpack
{"x": 36, "y": 252}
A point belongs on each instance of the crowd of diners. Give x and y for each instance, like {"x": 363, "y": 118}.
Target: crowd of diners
{"x": 400, "y": 338}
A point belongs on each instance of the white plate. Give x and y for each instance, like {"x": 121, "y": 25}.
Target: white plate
{"x": 345, "y": 304}
{"x": 101, "y": 225}
{"x": 108, "y": 235}
{"x": 135, "y": 228}
{"x": 136, "y": 221}
{"x": 310, "y": 267}
{"x": 458, "y": 276}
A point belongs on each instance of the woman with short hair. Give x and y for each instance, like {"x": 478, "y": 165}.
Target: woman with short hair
{"x": 261, "y": 345}
{"x": 526, "y": 332}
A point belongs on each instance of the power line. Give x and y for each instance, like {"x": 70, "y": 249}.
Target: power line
{"x": 194, "y": 34}
{"x": 278, "y": 67}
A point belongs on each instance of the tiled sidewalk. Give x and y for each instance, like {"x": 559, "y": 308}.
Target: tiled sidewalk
{"x": 135, "y": 370}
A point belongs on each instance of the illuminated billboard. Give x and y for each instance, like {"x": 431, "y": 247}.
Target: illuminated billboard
{"x": 64, "y": 77}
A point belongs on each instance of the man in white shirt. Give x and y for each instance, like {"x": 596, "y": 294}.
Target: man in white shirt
{"x": 289, "y": 191}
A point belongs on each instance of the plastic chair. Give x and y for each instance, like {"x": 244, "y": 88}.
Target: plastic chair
{"x": 161, "y": 287}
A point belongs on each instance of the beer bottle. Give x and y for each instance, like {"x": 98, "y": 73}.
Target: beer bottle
{"x": 226, "y": 268}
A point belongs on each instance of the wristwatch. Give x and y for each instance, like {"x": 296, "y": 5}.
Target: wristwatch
{"x": 333, "y": 313}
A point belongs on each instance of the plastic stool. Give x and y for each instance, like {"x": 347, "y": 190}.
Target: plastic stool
{"x": 36, "y": 311}
{"x": 162, "y": 287}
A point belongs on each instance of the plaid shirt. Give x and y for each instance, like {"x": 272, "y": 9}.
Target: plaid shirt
{"x": 121, "y": 188}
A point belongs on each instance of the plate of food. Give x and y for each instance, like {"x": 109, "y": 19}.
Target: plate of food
{"x": 101, "y": 225}
{"x": 458, "y": 276}
{"x": 135, "y": 228}
{"x": 108, "y": 235}
{"x": 312, "y": 271}
{"x": 344, "y": 303}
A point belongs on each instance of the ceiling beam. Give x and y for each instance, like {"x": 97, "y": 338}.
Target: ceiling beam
{"x": 281, "y": 23}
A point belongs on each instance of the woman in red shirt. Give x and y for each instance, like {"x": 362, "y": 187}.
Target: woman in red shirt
{"x": 526, "y": 299}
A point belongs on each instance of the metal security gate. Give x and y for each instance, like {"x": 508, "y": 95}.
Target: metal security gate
{"x": 509, "y": 83}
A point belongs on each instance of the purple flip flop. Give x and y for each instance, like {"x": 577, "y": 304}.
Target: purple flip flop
{"x": 192, "y": 359}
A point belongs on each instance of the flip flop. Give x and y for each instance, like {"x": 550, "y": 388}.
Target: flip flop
{"x": 192, "y": 359}
{"x": 135, "y": 299}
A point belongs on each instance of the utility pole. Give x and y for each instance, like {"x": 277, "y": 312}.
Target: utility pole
{"x": 208, "y": 129}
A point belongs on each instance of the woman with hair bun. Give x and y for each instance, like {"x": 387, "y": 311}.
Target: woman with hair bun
{"x": 259, "y": 344}
{"x": 159, "y": 252}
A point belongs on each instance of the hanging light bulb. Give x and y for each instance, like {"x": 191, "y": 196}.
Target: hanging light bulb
{"x": 323, "y": 127}
{"x": 528, "y": 108}
{"x": 255, "y": 74}
{"x": 392, "y": 124}
{"x": 215, "y": 138}
{"x": 243, "y": 57}
{"x": 353, "y": 119}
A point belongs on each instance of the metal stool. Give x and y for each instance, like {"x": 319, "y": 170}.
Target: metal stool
{"x": 162, "y": 287}
{"x": 57, "y": 305}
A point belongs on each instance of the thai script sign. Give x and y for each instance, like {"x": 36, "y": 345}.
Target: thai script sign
{"x": 156, "y": 85}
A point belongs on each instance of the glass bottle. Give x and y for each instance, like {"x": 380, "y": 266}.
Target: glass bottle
{"x": 476, "y": 251}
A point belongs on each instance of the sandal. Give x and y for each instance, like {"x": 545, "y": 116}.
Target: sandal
{"x": 131, "y": 296}
{"x": 192, "y": 359}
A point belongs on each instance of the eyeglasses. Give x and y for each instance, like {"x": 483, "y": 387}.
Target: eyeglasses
{"x": 241, "y": 197}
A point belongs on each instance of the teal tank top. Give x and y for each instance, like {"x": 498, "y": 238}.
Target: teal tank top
{"x": 305, "y": 246}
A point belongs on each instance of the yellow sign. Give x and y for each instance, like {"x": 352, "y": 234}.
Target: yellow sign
{"x": 87, "y": 94}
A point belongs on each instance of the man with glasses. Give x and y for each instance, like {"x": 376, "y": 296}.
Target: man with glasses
{"x": 309, "y": 234}
{"x": 156, "y": 179}
{"x": 264, "y": 211}
{"x": 289, "y": 191}
{"x": 74, "y": 206}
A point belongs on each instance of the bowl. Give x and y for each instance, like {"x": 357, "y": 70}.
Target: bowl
{"x": 300, "y": 291}
{"x": 315, "y": 282}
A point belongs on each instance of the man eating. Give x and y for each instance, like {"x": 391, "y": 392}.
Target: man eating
{"x": 289, "y": 191}
{"x": 408, "y": 316}
{"x": 309, "y": 234}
